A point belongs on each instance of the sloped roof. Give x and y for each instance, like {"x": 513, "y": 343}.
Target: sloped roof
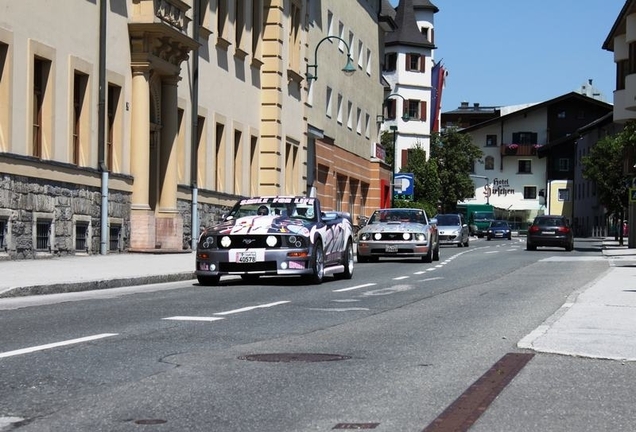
{"x": 535, "y": 107}
{"x": 425, "y": 4}
{"x": 619, "y": 26}
{"x": 408, "y": 33}
{"x": 606, "y": 119}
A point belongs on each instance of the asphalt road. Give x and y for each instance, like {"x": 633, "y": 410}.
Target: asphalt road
{"x": 404, "y": 340}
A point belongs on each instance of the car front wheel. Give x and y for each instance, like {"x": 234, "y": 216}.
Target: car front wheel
{"x": 318, "y": 264}
{"x": 208, "y": 280}
{"x": 348, "y": 263}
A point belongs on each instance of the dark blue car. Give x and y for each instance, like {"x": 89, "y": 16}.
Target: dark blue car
{"x": 499, "y": 229}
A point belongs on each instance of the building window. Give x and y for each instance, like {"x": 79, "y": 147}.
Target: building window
{"x": 181, "y": 147}
{"x": 202, "y": 162}
{"x": 221, "y": 19}
{"x": 253, "y": 166}
{"x": 238, "y": 162}
{"x": 389, "y": 109}
{"x": 424, "y": 31}
{"x": 415, "y": 63}
{"x": 563, "y": 164}
{"x": 632, "y": 58}
{"x": 524, "y": 138}
{"x": 350, "y": 115}
{"x": 3, "y": 234}
{"x": 359, "y": 121}
{"x": 328, "y": 103}
{"x": 360, "y": 54}
{"x": 81, "y": 236}
{"x": 220, "y": 157}
{"x": 489, "y": 163}
{"x": 416, "y": 109}
{"x": 340, "y": 192}
{"x": 204, "y": 12}
{"x": 41, "y": 69}
{"x": 257, "y": 27}
{"x": 339, "y": 109}
{"x": 564, "y": 195}
{"x": 295, "y": 36}
{"x": 113, "y": 124}
{"x": 5, "y": 103}
{"x": 291, "y": 167}
{"x": 43, "y": 235}
{"x": 368, "y": 62}
{"x": 491, "y": 140}
{"x": 367, "y": 125}
{"x": 341, "y": 31}
{"x": 390, "y": 62}
{"x": 561, "y": 114}
{"x": 80, "y": 82}
{"x": 529, "y": 192}
{"x": 525, "y": 167}
{"x": 114, "y": 238}
{"x": 239, "y": 25}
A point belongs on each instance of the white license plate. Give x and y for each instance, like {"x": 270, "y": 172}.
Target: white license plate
{"x": 498, "y": 234}
{"x": 548, "y": 232}
{"x": 391, "y": 248}
{"x": 246, "y": 257}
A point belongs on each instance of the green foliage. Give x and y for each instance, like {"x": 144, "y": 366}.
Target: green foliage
{"x": 427, "y": 185}
{"x": 455, "y": 155}
{"x": 604, "y": 166}
{"x": 427, "y": 207}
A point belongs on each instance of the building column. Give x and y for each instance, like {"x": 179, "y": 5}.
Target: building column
{"x": 168, "y": 175}
{"x": 169, "y": 223}
{"x": 142, "y": 220}
{"x": 140, "y": 142}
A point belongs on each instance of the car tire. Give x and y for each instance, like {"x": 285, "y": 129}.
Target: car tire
{"x": 467, "y": 242}
{"x": 348, "y": 263}
{"x": 428, "y": 258}
{"x": 374, "y": 259}
{"x": 530, "y": 247}
{"x": 208, "y": 280}
{"x": 317, "y": 265}
{"x": 569, "y": 248}
{"x": 362, "y": 258}
{"x": 488, "y": 238}
{"x": 509, "y": 237}
{"x": 436, "y": 253}
{"x": 251, "y": 278}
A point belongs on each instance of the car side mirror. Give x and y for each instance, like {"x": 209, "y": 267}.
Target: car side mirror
{"x": 433, "y": 221}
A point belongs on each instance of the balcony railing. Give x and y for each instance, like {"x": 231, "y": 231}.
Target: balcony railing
{"x": 519, "y": 149}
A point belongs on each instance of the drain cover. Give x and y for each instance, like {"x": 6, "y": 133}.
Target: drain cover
{"x": 293, "y": 357}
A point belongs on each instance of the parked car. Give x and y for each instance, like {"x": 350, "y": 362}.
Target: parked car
{"x": 498, "y": 229}
{"x": 398, "y": 232}
{"x": 452, "y": 230}
{"x": 550, "y": 230}
{"x": 276, "y": 235}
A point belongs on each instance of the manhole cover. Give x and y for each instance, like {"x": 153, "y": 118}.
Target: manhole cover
{"x": 293, "y": 357}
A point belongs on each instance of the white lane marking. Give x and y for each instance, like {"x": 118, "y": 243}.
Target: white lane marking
{"x": 420, "y": 272}
{"x": 430, "y": 269}
{"x": 354, "y": 287}
{"x": 193, "y": 318}
{"x": 491, "y": 252}
{"x": 439, "y": 266}
{"x": 55, "y": 345}
{"x": 339, "y": 309}
{"x": 249, "y": 308}
{"x": 400, "y": 278}
{"x": 431, "y": 279}
{"x": 346, "y": 300}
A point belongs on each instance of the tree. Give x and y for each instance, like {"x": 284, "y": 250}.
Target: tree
{"x": 455, "y": 155}
{"x": 604, "y": 166}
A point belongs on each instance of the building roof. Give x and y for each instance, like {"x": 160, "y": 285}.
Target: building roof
{"x": 603, "y": 120}
{"x": 619, "y": 26}
{"x": 425, "y": 4}
{"x": 408, "y": 33}
{"x": 573, "y": 95}
{"x": 386, "y": 17}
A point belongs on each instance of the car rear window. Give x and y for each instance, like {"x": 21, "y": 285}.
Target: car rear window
{"x": 550, "y": 222}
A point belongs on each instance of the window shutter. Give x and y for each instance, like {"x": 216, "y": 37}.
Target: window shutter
{"x": 405, "y": 158}
{"x": 407, "y": 64}
{"x": 422, "y": 63}
{"x": 423, "y": 110}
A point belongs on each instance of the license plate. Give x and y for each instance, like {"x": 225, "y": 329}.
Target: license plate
{"x": 498, "y": 234}
{"x": 246, "y": 257}
{"x": 548, "y": 232}
{"x": 391, "y": 248}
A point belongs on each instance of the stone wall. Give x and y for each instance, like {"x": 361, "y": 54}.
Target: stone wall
{"x": 208, "y": 215}
{"x": 24, "y": 201}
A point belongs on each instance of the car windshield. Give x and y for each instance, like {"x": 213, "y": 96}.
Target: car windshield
{"x": 397, "y": 215}
{"x": 496, "y": 224}
{"x": 285, "y": 207}
{"x": 447, "y": 220}
{"x": 483, "y": 215}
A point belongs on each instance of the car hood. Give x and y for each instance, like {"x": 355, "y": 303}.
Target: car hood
{"x": 395, "y": 227}
{"x": 271, "y": 224}
{"x": 449, "y": 227}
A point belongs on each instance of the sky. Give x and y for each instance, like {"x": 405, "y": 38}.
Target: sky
{"x": 512, "y": 52}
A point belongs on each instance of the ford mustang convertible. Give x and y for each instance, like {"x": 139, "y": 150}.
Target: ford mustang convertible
{"x": 276, "y": 235}
{"x": 399, "y": 232}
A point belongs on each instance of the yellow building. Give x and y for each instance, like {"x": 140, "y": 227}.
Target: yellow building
{"x": 126, "y": 126}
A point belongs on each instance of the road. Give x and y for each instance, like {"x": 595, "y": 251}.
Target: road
{"x": 389, "y": 350}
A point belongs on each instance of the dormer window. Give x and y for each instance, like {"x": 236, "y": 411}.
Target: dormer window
{"x": 415, "y": 63}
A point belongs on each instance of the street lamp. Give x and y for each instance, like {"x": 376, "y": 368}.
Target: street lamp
{"x": 405, "y": 114}
{"x": 348, "y": 69}
{"x": 394, "y": 129}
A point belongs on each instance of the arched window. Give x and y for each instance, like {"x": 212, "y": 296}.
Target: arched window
{"x": 490, "y": 163}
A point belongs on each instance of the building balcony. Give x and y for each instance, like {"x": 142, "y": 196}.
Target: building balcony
{"x": 519, "y": 149}
{"x": 621, "y": 113}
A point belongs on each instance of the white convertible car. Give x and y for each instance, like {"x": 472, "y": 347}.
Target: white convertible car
{"x": 276, "y": 235}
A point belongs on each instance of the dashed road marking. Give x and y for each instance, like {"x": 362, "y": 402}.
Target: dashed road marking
{"x": 249, "y": 308}
{"x": 56, "y": 345}
{"x": 193, "y": 318}
{"x": 354, "y": 287}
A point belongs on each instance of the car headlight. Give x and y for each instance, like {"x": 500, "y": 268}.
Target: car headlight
{"x": 295, "y": 241}
{"x": 406, "y": 236}
{"x": 206, "y": 242}
{"x": 456, "y": 232}
{"x": 271, "y": 241}
{"x": 420, "y": 236}
{"x": 377, "y": 236}
{"x": 365, "y": 236}
{"x": 226, "y": 241}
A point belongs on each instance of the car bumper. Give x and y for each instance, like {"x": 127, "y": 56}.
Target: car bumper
{"x": 392, "y": 249}
{"x": 557, "y": 241}
{"x": 267, "y": 262}
{"x": 450, "y": 239}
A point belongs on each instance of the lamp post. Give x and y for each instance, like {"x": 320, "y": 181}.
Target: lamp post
{"x": 348, "y": 69}
{"x": 394, "y": 165}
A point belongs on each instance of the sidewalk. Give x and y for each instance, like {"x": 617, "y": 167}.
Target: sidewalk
{"x": 597, "y": 321}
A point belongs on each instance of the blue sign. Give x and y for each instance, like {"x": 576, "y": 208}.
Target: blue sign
{"x": 404, "y": 186}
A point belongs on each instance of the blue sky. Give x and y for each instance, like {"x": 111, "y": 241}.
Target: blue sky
{"x": 510, "y": 52}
